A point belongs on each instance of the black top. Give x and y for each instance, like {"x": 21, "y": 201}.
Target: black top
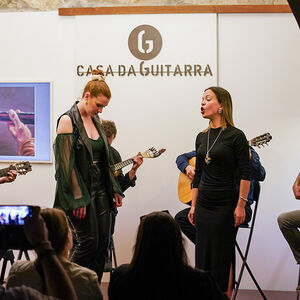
{"x": 229, "y": 154}
{"x": 98, "y": 148}
{"x": 192, "y": 284}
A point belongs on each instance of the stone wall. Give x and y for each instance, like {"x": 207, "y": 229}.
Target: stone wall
{"x": 19, "y": 5}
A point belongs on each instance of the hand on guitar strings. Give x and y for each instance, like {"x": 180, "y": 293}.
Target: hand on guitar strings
{"x": 22, "y": 134}
{"x": 19, "y": 130}
{"x": 190, "y": 171}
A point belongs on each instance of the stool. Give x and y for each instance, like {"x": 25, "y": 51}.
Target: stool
{"x": 244, "y": 256}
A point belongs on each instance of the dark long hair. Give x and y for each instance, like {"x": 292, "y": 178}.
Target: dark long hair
{"x": 224, "y": 98}
{"x": 159, "y": 246}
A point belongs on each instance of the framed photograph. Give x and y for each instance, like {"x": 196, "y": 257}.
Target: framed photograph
{"x": 25, "y": 114}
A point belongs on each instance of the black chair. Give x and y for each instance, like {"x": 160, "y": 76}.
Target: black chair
{"x": 111, "y": 261}
{"x": 298, "y": 290}
{"x": 244, "y": 255}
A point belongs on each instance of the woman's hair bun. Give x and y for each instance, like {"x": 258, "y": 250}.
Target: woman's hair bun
{"x": 97, "y": 72}
{"x": 98, "y": 75}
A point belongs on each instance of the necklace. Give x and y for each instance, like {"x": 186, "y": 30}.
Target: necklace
{"x": 207, "y": 157}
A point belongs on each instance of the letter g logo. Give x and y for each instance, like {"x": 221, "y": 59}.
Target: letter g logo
{"x": 145, "y": 42}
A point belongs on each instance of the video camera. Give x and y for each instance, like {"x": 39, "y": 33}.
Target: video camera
{"x": 12, "y": 220}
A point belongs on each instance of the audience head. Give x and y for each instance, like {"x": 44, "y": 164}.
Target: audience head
{"x": 159, "y": 244}
{"x": 59, "y": 232}
{"x": 224, "y": 98}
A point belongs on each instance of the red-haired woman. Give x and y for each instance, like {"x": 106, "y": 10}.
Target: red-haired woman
{"x": 86, "y": 187}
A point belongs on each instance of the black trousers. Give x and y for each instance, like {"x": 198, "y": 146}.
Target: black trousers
{"x": 93, "y": 231}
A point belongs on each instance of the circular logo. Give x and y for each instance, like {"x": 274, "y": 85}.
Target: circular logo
{"x": 145, "y": 42}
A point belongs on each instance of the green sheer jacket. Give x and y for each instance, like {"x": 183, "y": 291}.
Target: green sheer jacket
{"x": 73, "y": 165}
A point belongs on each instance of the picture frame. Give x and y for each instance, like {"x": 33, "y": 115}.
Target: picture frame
{"x": 25, "y": 121}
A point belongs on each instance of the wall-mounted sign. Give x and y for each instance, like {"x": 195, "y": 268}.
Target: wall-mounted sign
{"x": 151, "y": 49}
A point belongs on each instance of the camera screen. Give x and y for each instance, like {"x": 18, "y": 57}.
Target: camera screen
{"x": 13, "y": 215}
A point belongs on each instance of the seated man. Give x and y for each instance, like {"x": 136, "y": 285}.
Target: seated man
{"x": 289, "y": 223}
{"x": 257, "y": 174}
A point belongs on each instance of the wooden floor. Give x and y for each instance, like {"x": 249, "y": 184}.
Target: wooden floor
{"x": 242, "y": 294}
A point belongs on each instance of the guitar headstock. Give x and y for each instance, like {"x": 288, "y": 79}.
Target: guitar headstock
{"x": 22, "y": 167}
{"x": 261, "y": 140}
{"x": 152, "y": 153}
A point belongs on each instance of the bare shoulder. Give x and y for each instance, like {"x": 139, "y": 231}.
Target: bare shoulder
{"x": 65, "y": 125}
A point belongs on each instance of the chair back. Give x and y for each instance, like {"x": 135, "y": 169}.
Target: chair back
{"x": 256, "y": 190}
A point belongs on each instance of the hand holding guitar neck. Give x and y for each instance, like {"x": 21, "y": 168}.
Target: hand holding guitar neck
{"x": 10, "y": 177}
{"x": 9, "y": 174}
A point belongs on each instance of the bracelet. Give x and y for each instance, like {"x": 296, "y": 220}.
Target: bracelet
{"x": 245, "y": 199}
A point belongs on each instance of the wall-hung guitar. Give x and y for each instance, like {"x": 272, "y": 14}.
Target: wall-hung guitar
{"x": 184, "y": 182}
{"x": 150, "y": 153}
{"x": 21, "y": 167}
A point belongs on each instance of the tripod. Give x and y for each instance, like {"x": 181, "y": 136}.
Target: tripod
{"x": 8, "y": 256}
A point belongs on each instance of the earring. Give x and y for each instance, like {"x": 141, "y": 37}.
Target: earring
{"x": 220, "y": 110}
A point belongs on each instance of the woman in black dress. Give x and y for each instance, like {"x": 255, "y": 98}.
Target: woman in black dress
{"x": 217, "y": 210}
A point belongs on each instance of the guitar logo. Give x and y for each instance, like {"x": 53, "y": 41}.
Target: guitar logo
{"x": 145, "y": 42}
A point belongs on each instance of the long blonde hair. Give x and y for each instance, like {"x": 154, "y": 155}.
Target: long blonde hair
{"x": 224, "y": 98}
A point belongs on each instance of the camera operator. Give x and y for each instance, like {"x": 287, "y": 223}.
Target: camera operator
{"x": 57, "y": 282}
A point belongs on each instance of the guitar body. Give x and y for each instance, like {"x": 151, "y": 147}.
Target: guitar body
{"x": 184, "y": 185}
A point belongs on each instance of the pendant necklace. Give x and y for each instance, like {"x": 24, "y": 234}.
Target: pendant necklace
{"x": 207, "y": 157}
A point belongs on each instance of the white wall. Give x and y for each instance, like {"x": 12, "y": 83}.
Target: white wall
{"x": 258, "y": 64}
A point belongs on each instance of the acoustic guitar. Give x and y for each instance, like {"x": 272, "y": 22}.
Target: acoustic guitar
{"x": 185, "y": 183}
{"x": 22, "y": 168}
{"x": 150, "y": 153}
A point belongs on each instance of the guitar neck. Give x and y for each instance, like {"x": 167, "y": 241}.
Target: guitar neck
{"x": 122, "y": 164}
{"x": 3, "y": 172}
